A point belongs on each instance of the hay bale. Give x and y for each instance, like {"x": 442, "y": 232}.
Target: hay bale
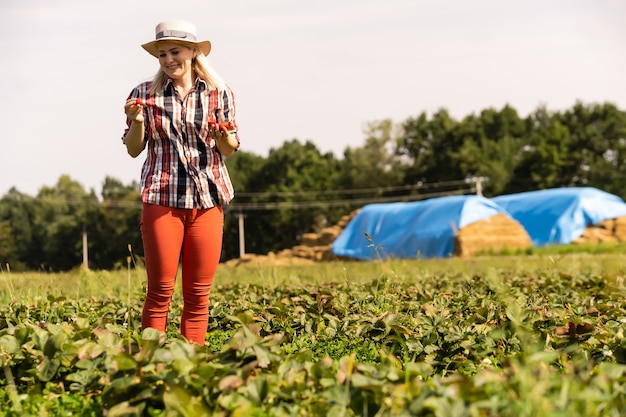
{"x": 270, "y": 259}
{"x": 313, "y": 247}
{"x": 619, "y": 230}
{"x": 302, "y": 251}
{"x": 345, "y": 219}
{"x": 494, "y": 233}
{"x": 310, "y": 239}
{"x": 329, "y": 234}
{"x": 594, "y": 234}
{"x": 608, "y": 224}
{"x": 607, "y": 231}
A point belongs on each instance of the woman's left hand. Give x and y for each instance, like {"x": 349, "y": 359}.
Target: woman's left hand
{"x": 220, "y": 131}
{"x": 225, "y": 137}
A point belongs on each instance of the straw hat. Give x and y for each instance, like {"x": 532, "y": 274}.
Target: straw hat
{"x": 176, "y": 30}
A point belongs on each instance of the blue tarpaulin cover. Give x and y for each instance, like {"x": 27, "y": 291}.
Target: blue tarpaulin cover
{"x": 560, "y": 215}
{"x": 422, "y": 229}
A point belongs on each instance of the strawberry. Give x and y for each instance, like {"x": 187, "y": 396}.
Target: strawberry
{"x": 222, "y": 126}
{"x": 226, "y": 125}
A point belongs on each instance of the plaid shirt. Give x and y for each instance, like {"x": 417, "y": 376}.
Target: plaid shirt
{"x": 184, "y": 168}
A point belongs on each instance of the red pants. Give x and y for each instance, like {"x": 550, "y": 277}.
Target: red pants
{"x": 168, "y": 233}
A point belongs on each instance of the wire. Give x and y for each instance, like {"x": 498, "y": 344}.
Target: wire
{"x": 416, "y": 186}
{"x": 293, "y": 205}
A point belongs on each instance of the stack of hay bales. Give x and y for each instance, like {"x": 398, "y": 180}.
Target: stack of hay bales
{"x": 271, "y": 259}
{"x": 314, "y": 247}
{"x": 493, "y": 234}
{"x": 607, "y": 231}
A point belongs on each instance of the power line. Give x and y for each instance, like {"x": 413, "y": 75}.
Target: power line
{"x": 294, "y": 205}
{"x": 417, "y": 186}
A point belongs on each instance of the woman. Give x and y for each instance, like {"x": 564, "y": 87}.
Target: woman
{"x": 185, "y": 117}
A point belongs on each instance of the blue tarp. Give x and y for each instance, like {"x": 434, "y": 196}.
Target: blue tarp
{"x": 560, "y": 215}
{"x": 422, "y": 229}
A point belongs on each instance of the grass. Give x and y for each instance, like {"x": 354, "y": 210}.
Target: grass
{"x": 31, "y": 286}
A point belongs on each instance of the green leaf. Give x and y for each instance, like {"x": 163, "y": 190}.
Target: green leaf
{"x": 543, "y": 357}
{"x": 180, "y": 402}
{"x": 124, "y": 383}
{"x": 9, "y": 344}
{"x": 54, "y": 344}
{"x": 365, "y": 382}
{"x": 150, "y": 334}
{"x": 516, "y": 313}
{"x": 162, "y": 355}
{"x": 124, "y": 409}
{"x": 82, "y": 323}
{"x": 89, "y": 350}
{"x": 47, "y": 368}
{"x": 337, "y": 394}
{"x": 613, "y": 371}
{"x": 124, "y": 362}
{"x": 257, "y": 390}
{"x": 262, "y": 355}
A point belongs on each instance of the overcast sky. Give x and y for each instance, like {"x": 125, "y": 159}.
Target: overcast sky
{"x": 307, "y": 70}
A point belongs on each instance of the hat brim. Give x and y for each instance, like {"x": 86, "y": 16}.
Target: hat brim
{"x": 153, "y": 49}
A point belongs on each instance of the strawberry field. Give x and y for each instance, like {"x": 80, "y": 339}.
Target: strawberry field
{"x": 492, "y": 336}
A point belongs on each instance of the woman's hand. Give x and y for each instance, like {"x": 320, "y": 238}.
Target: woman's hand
{"x": 221, "y": 131}
{"x": 134, "y": 109}
{"x": 134, "y": 140}
{"x": 225, "y": 137}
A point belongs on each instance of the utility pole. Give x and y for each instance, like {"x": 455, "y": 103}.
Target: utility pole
{"x": 242, "y": 237}
{"x": 85, "y": 250}
{"x": 478, "y": 182}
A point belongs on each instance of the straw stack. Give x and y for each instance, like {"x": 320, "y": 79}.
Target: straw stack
{"x": 314, "y": 247}
{"x": 493, "y": 234}
{"x": 607, "y": 231}
{"x": 619, "y": 229}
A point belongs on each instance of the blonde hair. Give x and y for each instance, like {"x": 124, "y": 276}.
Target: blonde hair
{"x": 201, "y": 67}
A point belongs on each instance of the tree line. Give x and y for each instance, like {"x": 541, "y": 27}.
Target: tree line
{"x": 298, "y": 189}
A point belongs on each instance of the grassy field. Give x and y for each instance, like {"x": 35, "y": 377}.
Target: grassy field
{"x": 85, "y": 283}
{"x": 540, "y": 334}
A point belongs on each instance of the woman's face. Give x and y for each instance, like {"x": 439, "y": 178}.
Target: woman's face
{"x": 175, "y": 59}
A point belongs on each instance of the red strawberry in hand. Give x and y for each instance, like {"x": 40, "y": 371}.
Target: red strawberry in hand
{"x": 225, "y": 126}
{"x": 138, "y": 102}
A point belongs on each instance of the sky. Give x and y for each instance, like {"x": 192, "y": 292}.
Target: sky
{"x": 316, "y": 71}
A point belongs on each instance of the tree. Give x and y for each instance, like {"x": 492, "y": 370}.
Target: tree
{"x": 295, "y": 174}
{"x": 8, "y": 253}
{"x": 115, "y": 226}
{"x": 429, "y": 145}
{"x": 242, "y": 167}
{"x": 376, "y": 164}
{"x": 598, "y": 152}
{"x": 490, "y": 147}
{"x": 18, "y": 212}
{"x": 545, "y": 161}
{"x": 65, "y": 210}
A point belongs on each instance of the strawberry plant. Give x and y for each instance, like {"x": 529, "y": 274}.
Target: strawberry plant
{"x": 499, "y": 342}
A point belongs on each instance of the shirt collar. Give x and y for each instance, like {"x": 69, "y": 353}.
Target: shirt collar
{"x": 199, "y": 84}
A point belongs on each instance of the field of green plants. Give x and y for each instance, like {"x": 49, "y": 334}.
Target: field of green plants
{"x": 533, "y": 335}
